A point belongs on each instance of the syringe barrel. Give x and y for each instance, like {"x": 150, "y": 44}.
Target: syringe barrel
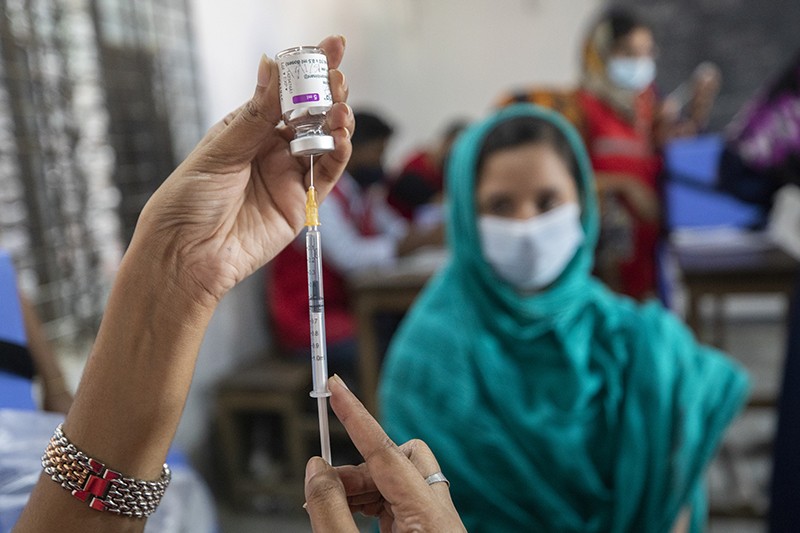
{"x": 316, "y": 314}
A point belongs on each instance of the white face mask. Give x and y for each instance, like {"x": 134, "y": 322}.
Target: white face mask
{"x": 633, "y": 73}
{"x": 531, "y": 254}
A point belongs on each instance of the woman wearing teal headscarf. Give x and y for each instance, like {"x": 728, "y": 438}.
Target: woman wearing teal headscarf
{"x": 551, "y": 403}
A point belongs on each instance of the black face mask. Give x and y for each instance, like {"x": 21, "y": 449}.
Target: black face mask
{"x": 368, "y": 175}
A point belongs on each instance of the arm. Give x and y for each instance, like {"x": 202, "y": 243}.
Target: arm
{"x": 682, "y": 522}
{"x": 349, "y": 251}
{"x": 638, "y": 196}
{"x": 703, "y": 87}
{"x": 420, "y": 237}
{"x": 56, "y": 395}
{"x": 235, "y": 202}
{"x": 409, "y": 237}
{"x": 346, "y": 249}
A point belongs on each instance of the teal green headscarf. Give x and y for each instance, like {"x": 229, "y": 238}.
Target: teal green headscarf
{"x": 569, "y": 410}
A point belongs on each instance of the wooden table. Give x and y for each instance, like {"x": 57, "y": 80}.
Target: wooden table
{"x": 378, "y": 291}
{"x": 718, "y": 273}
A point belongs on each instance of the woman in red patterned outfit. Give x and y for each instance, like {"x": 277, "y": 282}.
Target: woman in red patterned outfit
{"x": 625, "y": 124}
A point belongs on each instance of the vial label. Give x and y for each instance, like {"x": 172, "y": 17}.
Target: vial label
{"x": 304, "y": 81}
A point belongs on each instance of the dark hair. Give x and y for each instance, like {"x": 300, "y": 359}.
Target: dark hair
{"x": 454, "y": 128}
{"x": 622, "y": 23}
{"x": 527, "y": 130}
{"x": 370, "y": 127}
{"x": 787, "y": 81}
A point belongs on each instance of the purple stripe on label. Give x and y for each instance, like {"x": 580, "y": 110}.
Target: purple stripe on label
{"x": 310, "y": 97}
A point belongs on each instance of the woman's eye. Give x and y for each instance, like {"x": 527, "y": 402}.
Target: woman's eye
{"x": 548, "y": 201}
{"x": 500, "y": 206}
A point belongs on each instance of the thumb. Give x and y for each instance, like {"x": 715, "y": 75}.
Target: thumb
{"x": 326, "y": 501}
{"x": 246, "y": 129}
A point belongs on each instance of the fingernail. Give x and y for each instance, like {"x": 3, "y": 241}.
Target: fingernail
{"x": 349, "y": 109}
{"x": 263, "y": 71}
{"x": 305, "y": 505}
{"x": 344, "y": 40}
{"x": 347, "y": 132}
{"x": 314, "y": 467}
{"x": 336, "y": 377}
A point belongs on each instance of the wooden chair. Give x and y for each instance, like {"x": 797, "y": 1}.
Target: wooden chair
{"x": 278, "y": 390}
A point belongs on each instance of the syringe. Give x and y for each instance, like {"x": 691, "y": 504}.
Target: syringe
{"x": 316, "y": 315}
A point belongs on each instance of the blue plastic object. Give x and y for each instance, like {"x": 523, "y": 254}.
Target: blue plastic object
{"x": 12, "y": 329}
{"x": 690, "y": 197}
{"x": 15, "y": 392}
{"x": 689, "y": 207}
{"x": 694, "y": 159}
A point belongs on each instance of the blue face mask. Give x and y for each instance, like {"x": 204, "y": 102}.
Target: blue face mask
{"x": 632, "y": 73}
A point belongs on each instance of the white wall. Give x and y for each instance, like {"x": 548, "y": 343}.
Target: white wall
{"x": 421, "y": 62}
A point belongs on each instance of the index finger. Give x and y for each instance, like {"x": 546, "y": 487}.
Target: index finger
{"x": 393, "y": 473}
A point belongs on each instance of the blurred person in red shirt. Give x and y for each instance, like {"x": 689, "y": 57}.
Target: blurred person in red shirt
{"x": 625, "y": 124}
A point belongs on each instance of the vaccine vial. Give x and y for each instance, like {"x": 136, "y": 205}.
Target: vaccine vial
{"x": 305, "y": 98}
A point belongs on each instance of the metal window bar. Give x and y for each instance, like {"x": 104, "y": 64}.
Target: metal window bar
{"x": 98, "y": 100}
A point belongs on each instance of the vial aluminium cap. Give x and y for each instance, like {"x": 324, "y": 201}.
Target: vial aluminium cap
{"x": 311, "y": 145}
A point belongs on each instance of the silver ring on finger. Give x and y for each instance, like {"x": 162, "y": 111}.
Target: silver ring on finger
{"x": 436, "y": 477}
